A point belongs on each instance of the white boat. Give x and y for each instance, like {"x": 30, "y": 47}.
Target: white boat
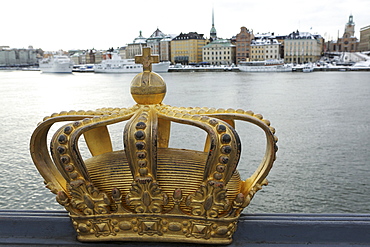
{"x": 307, "y": 68}
{"x": 265, "y": 66}
{"x": 118, "y": 65}
{"x": 83, "y": 68}
{"x": 56, "y": 64}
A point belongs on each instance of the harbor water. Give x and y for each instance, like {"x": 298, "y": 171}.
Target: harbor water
{"x": 322, "y": 120}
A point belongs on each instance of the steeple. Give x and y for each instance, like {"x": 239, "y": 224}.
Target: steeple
{"x": 213, "y": 32}
{"x": 350, "y": 27}
{"x": 350, "y": 20}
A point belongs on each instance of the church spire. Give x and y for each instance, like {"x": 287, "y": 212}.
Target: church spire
{"x": 213, "y": 32}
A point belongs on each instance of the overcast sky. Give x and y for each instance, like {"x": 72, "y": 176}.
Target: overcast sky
{"x": 79, "y": 24}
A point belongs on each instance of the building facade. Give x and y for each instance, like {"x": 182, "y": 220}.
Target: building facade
{"x": 165, "y": 48}
{"x": 302, "y": 47}
{"x": 134, "y": 48}
{"x": 122, "y": 52}
{"x": 154, "y": 41}
{"x": 243, "y": 42}
{"x": 18, "y": 57}
{"x": 186, "y": 48}
{"x": 364, "y": 44}
{"x": 265, "y": 47}
{"x": 219, "y": 52}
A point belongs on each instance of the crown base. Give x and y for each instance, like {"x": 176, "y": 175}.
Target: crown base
{"x": 154, "y": 228}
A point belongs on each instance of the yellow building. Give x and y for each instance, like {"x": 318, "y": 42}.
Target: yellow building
{"x": 187, "y": 48}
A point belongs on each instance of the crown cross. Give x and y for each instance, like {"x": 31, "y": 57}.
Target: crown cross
{"x": 146, "y": 59}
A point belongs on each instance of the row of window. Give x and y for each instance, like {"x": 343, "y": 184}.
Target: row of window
{"x": 217, "y": 48}
{"x": 262, "y": 51}
{"x": 298, "y": 54}
{"x": 299, "y": 60}
{"x": 243, "y": 54}
{"x": 263, "y": 57}
{"x": 216, "y": 53}
{"x": 299, "y": 42}
{"x": 216, "y": 58}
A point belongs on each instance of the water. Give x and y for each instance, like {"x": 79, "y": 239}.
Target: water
{"x": 322, "y": 121}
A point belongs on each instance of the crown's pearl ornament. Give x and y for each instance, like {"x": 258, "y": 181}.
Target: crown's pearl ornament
{"x": 149, "y": 191}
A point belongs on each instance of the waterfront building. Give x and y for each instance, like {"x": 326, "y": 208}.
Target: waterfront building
{"x": 154, "y": 41}
{"x": 98, "y": 57}
{"x": 18, "y": 57}
{"x": 90, "y": 56}
{"x": 122, "y": 52}
{"x": 187, "y": 48}
{"x": 219, "y": 52}
{"x": 136, "y": 46}
{"x": 303, "y": 47}
{"x": 8, "y": 57}
{"x": 85, "y": 56}
{"x": 75, "y": 58}
{"x": 165, "y": 47}
{"x": 265, "y": 47}
{"x": 74, "y": 55}
{"x": 364, "y": 44}
{"x": 243, "y": 42}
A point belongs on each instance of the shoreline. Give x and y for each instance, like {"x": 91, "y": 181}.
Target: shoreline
{"x": 216, "y": 69}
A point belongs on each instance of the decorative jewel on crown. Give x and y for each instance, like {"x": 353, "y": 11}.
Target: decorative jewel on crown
{"x": 149, "y": 191}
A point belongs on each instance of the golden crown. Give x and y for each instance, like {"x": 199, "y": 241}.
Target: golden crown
{"x": 148, "y": 191}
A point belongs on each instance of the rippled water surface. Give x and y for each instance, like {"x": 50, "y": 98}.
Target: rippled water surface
{"x": 322, "y": 120}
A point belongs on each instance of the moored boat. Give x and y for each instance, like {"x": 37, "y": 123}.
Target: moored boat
{"x": 83, "y": 68}
{"x": 265, "y": 66}
{"x": 118, "y": 65}
{"x": 308, "y": 67}
{"x": 56, "y": 64}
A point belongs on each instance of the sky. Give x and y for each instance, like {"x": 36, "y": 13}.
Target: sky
{"x": 81, "y": 24}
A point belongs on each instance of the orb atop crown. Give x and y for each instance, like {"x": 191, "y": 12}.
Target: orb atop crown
{"x": 148, "y": 88}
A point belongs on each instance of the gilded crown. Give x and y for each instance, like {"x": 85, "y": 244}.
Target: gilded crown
{"x": 148, "y": 191}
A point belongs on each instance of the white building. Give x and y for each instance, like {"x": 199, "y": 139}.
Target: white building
{"x": 18, "y": 57}
{"x": 154, "y": 41}
{"x": 135, "y": 47}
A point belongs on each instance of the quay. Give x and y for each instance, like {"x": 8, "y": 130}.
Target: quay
{"x": 236, "y": 69}
{"x": 54, "y": 228}
{"x": 203, "y": 69}
{"x": 341, "y": 68}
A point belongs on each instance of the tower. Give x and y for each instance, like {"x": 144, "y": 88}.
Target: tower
{"x": 350, "y": 27}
